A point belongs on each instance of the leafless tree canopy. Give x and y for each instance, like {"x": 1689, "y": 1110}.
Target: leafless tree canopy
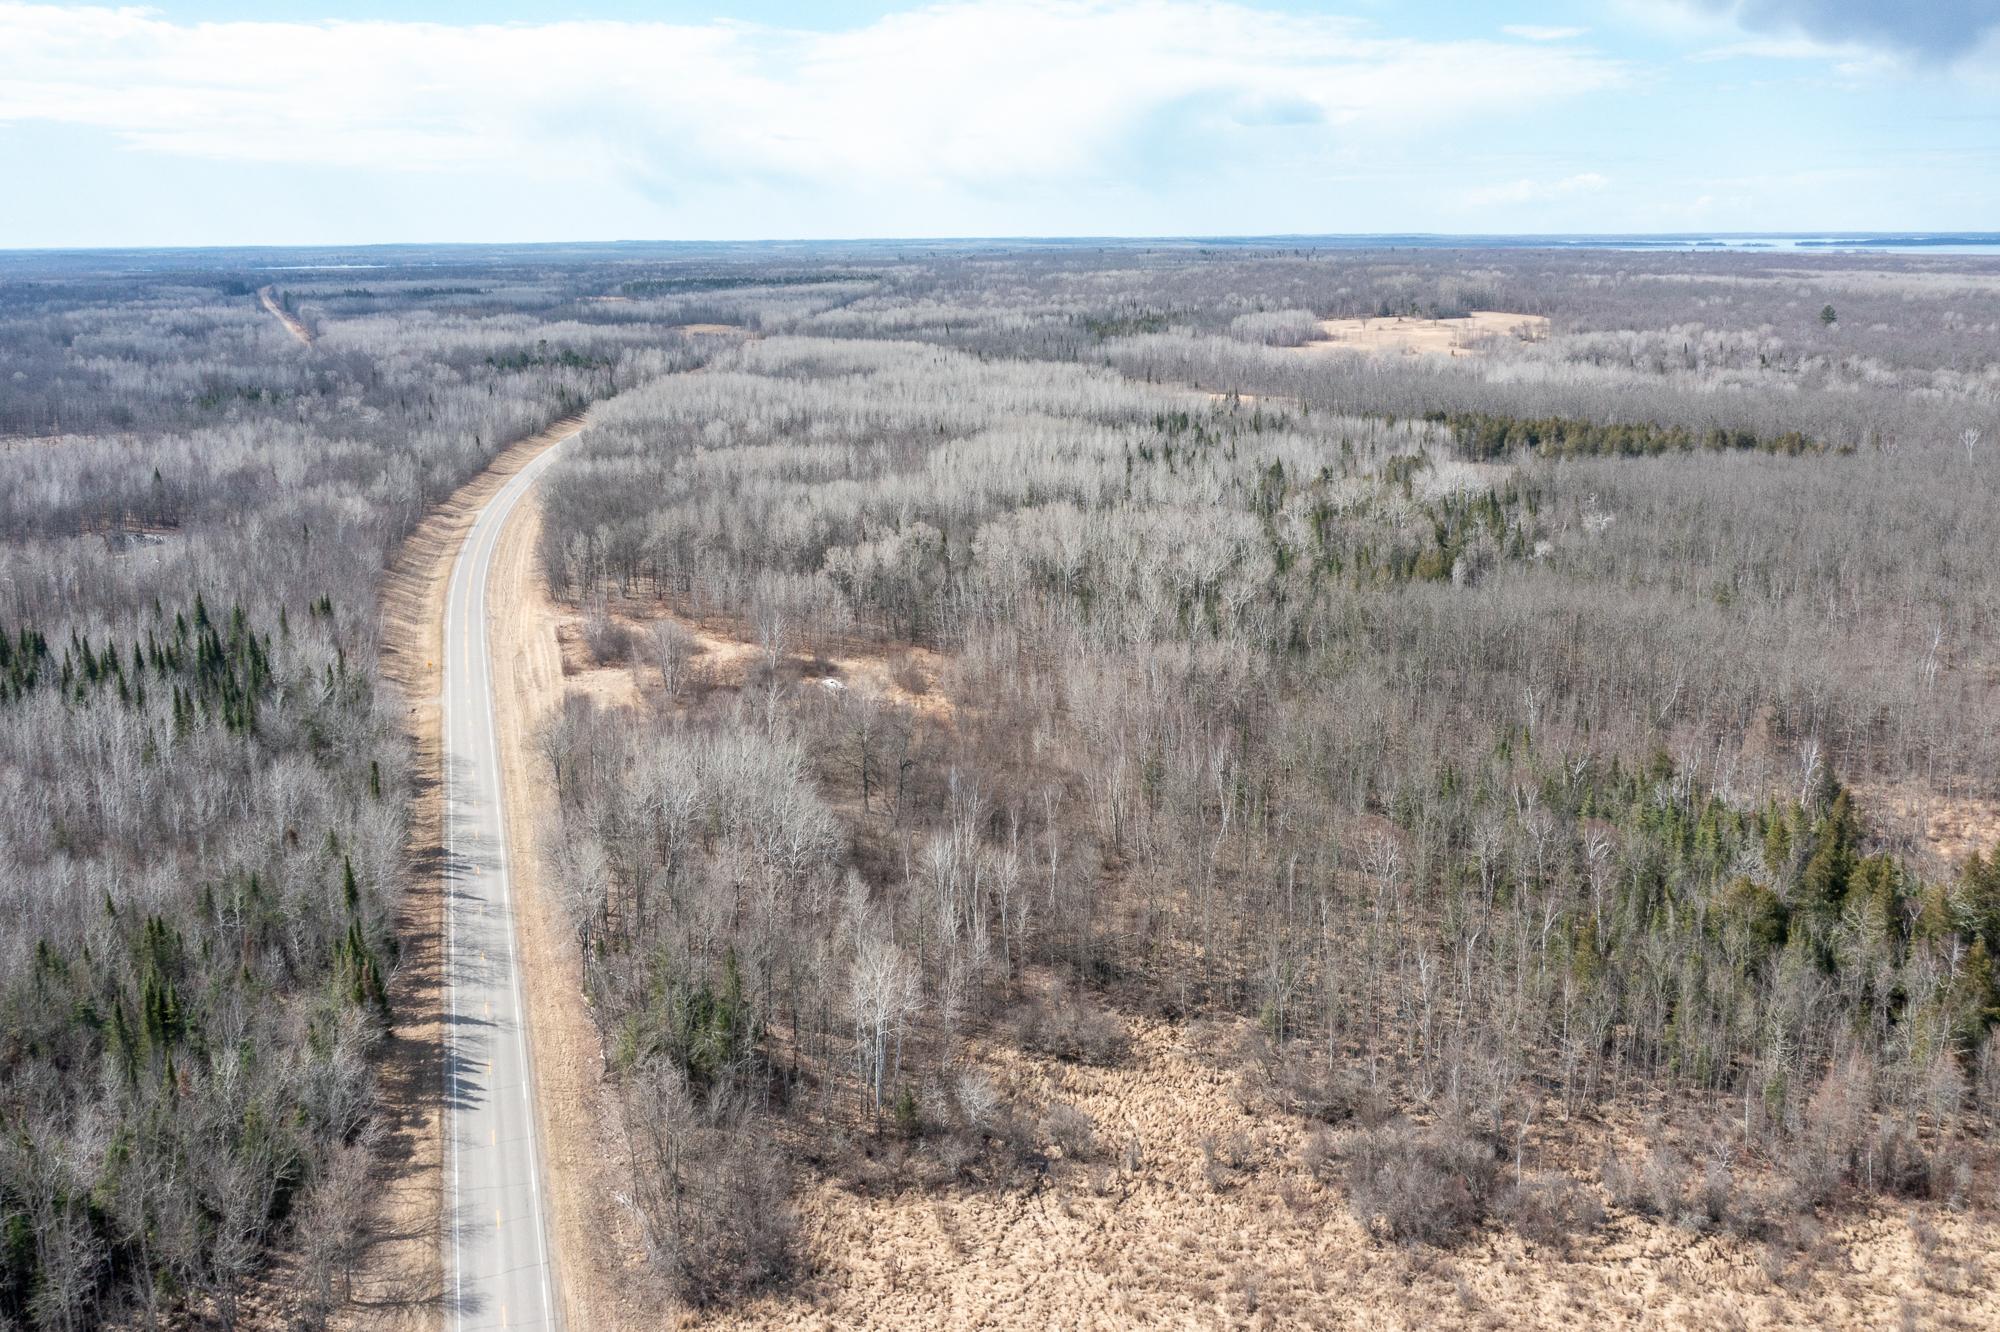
{"x": 1503, "y": 735}
{"x": 1506, "y": 734}
{"x": 205, "y": 791}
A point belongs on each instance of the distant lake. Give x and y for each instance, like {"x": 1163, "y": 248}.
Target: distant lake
{"x": 1797, "y": 242}
{"x": 1974, "y": 242}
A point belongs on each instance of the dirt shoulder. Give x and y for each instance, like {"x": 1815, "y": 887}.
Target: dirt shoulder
{"x": 399, "y": 1282}
{"x": 599, "y": 1267}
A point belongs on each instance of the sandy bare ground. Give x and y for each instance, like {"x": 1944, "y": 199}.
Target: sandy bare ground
{"x": 1157, "y": 1234}
{"x": 725, "y": 652}
{"x": 269, "y": 297}
{"x": 399, "y": 1284}
{"x": 1403, "y": 335}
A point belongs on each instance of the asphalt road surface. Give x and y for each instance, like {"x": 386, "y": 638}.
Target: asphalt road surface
{"x": 497, "y": 1268}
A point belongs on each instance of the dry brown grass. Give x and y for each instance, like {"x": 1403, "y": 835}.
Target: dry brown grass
{"x": 1949, "y": 827}
{"x": 1404, "y": 335}
{"x": 1224, "y": 1222}
{"x": 726, "y": 655}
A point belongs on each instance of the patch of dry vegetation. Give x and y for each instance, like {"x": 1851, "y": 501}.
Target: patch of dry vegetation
{"x": 1411, "y": 335}
{"x": 1201, "y": 1203}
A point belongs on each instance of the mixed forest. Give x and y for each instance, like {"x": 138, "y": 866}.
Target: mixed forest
{"x": 205, "y": 788}
{"x": 1501, "y": 745}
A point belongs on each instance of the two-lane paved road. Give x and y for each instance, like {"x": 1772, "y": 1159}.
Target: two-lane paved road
{"x": 497, "y": 1268}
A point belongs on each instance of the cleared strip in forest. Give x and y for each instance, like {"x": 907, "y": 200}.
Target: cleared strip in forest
{"x": 268, "y": 295}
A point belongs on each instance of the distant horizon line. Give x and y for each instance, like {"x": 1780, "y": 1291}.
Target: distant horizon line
{"x": 1808, "y": 239}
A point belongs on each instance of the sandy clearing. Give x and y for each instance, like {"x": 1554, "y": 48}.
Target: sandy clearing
{"x": 883, "y": 678}
{"x": 725, "y": 654}
{"x": 1407, "y": 336}
{"x": 399, "y": 1283}
{"x": 269, "y": 297}
{"x": 610, "y": 686}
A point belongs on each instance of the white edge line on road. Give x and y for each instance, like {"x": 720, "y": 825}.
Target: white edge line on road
{"x": 526, "y": 481}
{"x": 478, "y": 549}
{"x": 451, "y": 941}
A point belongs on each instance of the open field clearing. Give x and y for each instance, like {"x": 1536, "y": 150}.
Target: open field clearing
{"x": 1408, "y": 335}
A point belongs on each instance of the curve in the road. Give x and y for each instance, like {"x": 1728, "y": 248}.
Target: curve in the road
{"x": 497, "y": 1253}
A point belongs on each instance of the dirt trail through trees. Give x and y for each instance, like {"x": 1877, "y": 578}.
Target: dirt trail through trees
{"x": 269, "y": 297}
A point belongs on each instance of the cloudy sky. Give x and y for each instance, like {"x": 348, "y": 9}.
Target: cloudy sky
{"x": 275, "y": 121}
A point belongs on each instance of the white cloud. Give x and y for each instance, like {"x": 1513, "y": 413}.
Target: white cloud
{"x": 1534, "y": 191}
{"x": 969, "y": 95}
{"x": 1774, "y": 48}
{"x": 1535, "y": 32}
{"x": 1848, "y": 59}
